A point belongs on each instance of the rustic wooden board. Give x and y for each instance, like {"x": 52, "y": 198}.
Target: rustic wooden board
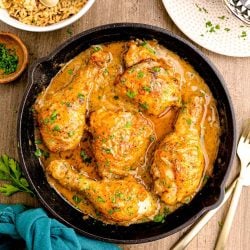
{"x": 236, "y": 72}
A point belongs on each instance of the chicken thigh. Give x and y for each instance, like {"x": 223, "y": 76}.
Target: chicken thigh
{"x": 120, "y": 140}
{"x": 61, "y": 113}
{"x": 151, "y": 86}
{"x": 121, "y": 201}
{"x": 179, "y": 162}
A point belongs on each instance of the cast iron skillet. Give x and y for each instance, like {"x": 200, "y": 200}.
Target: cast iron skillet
{"x": 40, "y": 74}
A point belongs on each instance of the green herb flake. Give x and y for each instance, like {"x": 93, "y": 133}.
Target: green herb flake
{"x": 147, "y": 88}
{"x": 220, "y": 224}
{"x": 205, "y": 179}
{"x": 107, "y": 163}
{"x": 85, "y": 157}
{"x": 8, "y": 60}
{"x": 53, "y": 116}
{"x": 38, "y": 141}
{"x": 107, "y": 150}
{"x": 70, "y": 71}
{"x": 140, "y": 74}
{"x": 128, "y": 124}
{"x": 38, "y": 153}
{"x": 189, "y": 121}
{"x": 131, "y": 94}
{"x": 208, "y": 24}
{"x": 123, "y": 80}
{"x": 156, "y": 69}
{"x": 198, "y": 7}
{"x": 69, "y": 31}
{"x": 217, "y": 26}
{"x": 243, "y": 34}
{"x": 105, "y": 72}
{"x": 100, "y": 199}
{"x": 144, "y": 105}
{"x": 96, "y": 48}
{"x": 57, "y": 128}
{"x": 227, "y": 29}
{"x": 221, "y": 17}
{"x": 71, "y": 133}
{"x": 152, "y": 138}
{"x": 159, "y": 218}
{"x": 80, "y": 96}
{"x": 76, "y": 199}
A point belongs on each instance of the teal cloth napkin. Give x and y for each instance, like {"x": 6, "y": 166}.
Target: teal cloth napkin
{"x": 41, "y": 232}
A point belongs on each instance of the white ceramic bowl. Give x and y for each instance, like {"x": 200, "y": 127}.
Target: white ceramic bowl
{"x": 6, "y": 18}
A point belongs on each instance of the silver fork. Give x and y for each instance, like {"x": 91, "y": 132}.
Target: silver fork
{"x": 243, "y": 152}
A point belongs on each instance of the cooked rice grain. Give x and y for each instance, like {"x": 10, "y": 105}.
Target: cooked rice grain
{"x": 34, "y": 13}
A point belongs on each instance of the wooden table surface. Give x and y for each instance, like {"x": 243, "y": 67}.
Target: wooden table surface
{"x": 236, "y": 72}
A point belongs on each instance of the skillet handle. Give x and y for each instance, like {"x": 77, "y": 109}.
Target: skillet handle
{"x": 187, "y": 238}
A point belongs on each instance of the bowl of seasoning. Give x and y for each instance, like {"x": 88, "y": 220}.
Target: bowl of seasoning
{"x": 13, "y": 57}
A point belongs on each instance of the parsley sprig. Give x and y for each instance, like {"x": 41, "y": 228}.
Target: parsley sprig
{"x": 10, "y": 171}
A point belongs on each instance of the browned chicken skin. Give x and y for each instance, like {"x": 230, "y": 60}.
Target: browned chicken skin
{"x": 120, "y": 140}
{"x": 61, "y": 114}
{"x": 179, "y": 162}
{"x": 151, "y": 84}
{"x": 118, "y": 200}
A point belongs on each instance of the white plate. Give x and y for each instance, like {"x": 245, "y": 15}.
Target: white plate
{"x": 209, "y": 24}
{"x": 6, "y": 18}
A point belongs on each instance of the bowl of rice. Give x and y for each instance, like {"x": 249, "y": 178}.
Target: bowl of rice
{"x": 32, "y": 15}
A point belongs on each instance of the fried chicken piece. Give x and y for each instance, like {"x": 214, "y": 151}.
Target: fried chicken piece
{"x": 179, "y": 161}
{"x": 151, "y": 86}
{"x": 61, "y": 112}
{"x": 120, "y": 140}
{"x": 122, "y": 201}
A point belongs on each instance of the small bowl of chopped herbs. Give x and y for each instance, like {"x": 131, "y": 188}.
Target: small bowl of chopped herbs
{"x": 13, "y": 57}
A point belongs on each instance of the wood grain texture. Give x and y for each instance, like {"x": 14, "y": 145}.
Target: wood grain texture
{"x": 236, "y": 72}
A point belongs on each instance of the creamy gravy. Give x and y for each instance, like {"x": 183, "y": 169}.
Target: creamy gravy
{"x": 103, "y": 94}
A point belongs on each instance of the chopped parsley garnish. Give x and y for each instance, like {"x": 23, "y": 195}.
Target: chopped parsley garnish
{"x": 131, "y": 94}
{"x": 85, "y": 157}
{"x": 107, "y": 150}
{"x": 38, "y": 152}
{"x": 53, "y": 116}
{"x": 156, "y": 69}
{"x": 70, "y": 71}
{"x": 100, "y": 199}
{"x": 71, "y": 133}
{"x": 80, "y": 96}
{"x": 128, "y": 125}
{"x": 189, "y": 121}
{"x": 76, "y": 199}
{"x": 147, "y": 46}
{"x": 38, "y": 141}
{"x": 159, "y": 218}
{"x": 144, "y": 105}
{"x": 56, "y": 128}
{"x": 96, "y": 48}
{"x": 8, "y": 60}
{"x": 123, "y": 80}
{"x": 69, "y": 31}
{"x": 227, "y": 29}
{"x": 147, "y": 88}
{"x": 243, "y": 34}
{"x": 140, "y": 74}
{"x": 152, "y": 138}
{"x": 105, "y": 72}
